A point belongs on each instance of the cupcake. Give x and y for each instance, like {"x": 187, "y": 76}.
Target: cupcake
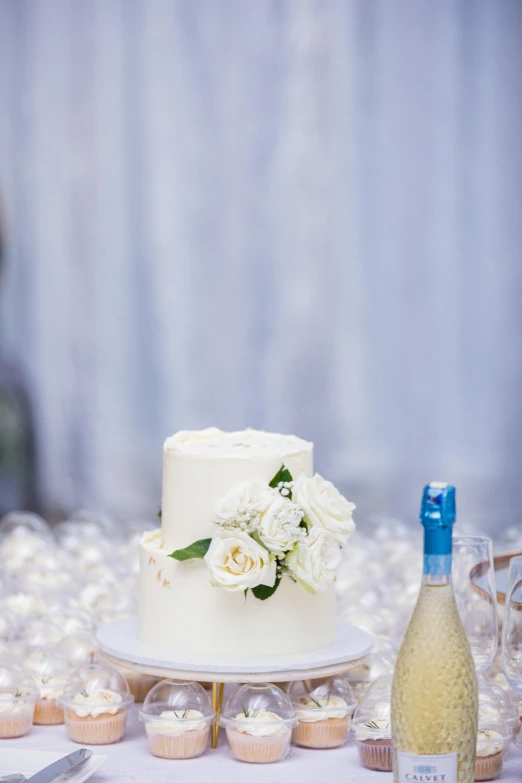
{"x": 323, "y": 714}
{"x": 139, "y": 684}
{"x": 177, "y": 716}
{"x": 493, "y": 738}
{"x": 18, "y": 693}
{"x": 95, "y": 700}
{"x": 371, "y": 726}
{"x": 51, "y": 672}
{"x": 258, "y": 720}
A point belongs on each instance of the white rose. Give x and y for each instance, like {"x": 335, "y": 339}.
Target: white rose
{"x": 237, "y": 562}
{"x": 324, "y": 506}
{"x": 279, "y": 525}
{"x": 314, "y": 560}
{"x": 242, "y": 505}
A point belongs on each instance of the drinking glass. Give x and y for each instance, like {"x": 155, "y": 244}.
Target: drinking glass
{"x": 476, "y": 596}
{"x": 512, "y": 630}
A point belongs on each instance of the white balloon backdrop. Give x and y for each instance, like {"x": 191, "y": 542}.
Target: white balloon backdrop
{"x": 296, "y": 215}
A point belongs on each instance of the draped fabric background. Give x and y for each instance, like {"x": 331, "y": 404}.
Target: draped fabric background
{"x": 302, "y": 216}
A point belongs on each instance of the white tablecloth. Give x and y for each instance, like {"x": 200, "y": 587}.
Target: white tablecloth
{"x": 131, "y": 762}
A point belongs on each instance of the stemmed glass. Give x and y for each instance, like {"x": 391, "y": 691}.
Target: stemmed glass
{"x": 476, "y": 596}
{"x": 512, "y": 630}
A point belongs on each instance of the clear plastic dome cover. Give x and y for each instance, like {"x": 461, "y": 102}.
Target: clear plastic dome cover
{"x": 334, "y": 696}
{"x": 47, "y": 665}
{"x": 491, "y": 719}
{"x": 16, "y": 681}
{"x": 179, "y": 697}
{"x": 373, "y": 713}
{"x": 93, "y": 679}
{"x": 24, "y": 524}
{"x": 493, "y": 693}
{"x": 79, "y": 649}
{"x": 42, "y": 633}
{"x": 255, "y": 702}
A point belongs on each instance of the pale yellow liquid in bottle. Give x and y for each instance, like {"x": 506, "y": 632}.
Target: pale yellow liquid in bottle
{"x": 434, "y": 696}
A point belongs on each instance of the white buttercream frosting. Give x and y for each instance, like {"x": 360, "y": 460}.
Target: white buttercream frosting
{"x": 313, "y": 709}
{"x": 489, "y": 742}
{"x": 261, "y": 723}
{"x": 152, "y": 539}
{"x": 214, "y": 442}
{"x": 100, "y": 701}
{"x": 10, "y": 703}
{"x": 377, "y": 729}
{"x": 176, "y": 722}
{"x": 51, "y": 687}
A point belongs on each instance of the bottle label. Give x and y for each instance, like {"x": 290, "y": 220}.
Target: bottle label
{"x": 427, "y": 769}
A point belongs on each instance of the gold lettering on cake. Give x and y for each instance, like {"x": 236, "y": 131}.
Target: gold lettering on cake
{"x": 151, "y": 560}
{"x": 166, "y": 583}
{"x": 158, "y": 575}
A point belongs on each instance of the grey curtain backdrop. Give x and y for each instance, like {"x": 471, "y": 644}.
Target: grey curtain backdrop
{"x": 295, "y": 215}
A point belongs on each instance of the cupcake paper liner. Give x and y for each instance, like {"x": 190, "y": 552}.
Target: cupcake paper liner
{"x": 103, "y": 730}
{"x": 11, "y": 726}
{"x": 330, "y": 733}
{"x": 183, "y": 746}
{"x": 376, "y": 754}
{"x": 48, "y": 713}
{"x": 258, "y": 750}
{"x": 488, "y": 767}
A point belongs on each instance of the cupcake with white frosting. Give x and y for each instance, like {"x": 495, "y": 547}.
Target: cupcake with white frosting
{"x": 323, "y": 714}
{"x": 51, "y": 672}
{"x": 371, "y": 726}
{"x": 258, "y": 720}
{"x": 96, "y": 699}
{"x": 493, "y": 738}
{"x": 177, "y": 716}
{"x": 18, "y": 693}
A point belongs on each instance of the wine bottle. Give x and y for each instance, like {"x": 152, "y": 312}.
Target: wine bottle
{"x": 434, "y": 710}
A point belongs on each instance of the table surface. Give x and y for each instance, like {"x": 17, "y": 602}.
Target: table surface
{"x": 131, "y": 762}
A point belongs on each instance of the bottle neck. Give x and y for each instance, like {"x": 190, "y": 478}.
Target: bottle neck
{"x": 437, "y": 555}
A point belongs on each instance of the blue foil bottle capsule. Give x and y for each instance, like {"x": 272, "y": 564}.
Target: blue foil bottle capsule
{"x": 437, "y": 516}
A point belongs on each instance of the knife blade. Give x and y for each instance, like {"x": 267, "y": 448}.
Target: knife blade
{"x": 56, "y": 769}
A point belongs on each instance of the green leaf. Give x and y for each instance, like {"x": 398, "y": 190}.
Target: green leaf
{"x": 197, "y": 549}
{"x": 159, "y": 514}
{"x": 255, "y": 535}
{"x": 262, "y": 592}
{"x": 283, "y": 474}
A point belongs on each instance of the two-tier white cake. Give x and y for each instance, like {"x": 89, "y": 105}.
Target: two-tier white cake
{"x": 180, "y": 610}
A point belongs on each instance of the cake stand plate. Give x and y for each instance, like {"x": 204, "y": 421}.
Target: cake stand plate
{"x": 119, "y": 642}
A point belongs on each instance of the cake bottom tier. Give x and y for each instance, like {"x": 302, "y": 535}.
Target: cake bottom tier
{"x": 180, "y": 611}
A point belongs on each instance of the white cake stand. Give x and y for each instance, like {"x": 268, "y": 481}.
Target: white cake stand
{"x": 120, "y": 644}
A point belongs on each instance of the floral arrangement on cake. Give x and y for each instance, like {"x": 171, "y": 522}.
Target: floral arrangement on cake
{"x": 265, "y": 531}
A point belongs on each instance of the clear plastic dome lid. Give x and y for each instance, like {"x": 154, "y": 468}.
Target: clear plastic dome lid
{"x": 79, "y": 649}
{"x": 253, "y": 706}
{"x": 173, "y": 701}
{"x": 493, "y": 693}
{"x": 16, "y": 682}
{"x": 46, "y": 664}
{"x": 42, "y": 633}
{"x": 96, "y": 685}
{"x": 24, "y": 524}
{"x": 371, "y": 667}
{"x": 334, "y": 698}
{"x": 372, "y": 717}
{"x": 493, "y": 731}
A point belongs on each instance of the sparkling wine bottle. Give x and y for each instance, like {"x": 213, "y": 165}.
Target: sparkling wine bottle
{"x": 434, "y": 709}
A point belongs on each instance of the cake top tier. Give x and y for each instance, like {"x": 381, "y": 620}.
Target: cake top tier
{"x": 256, "y": 444}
